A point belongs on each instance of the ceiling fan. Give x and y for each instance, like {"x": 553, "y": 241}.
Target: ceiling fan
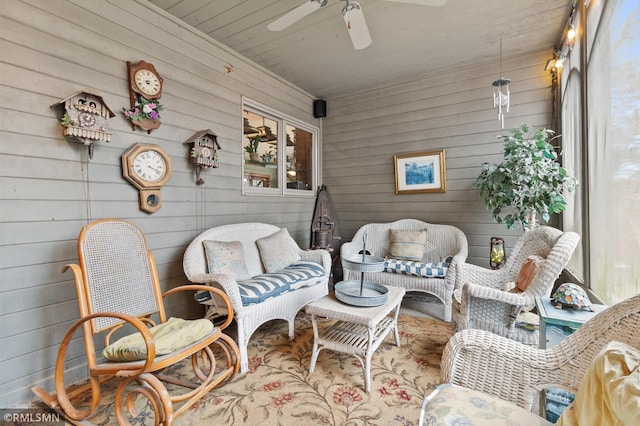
{"x": 353, "y": 18}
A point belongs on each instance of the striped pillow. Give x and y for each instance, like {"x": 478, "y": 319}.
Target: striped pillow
{"x": 407, "y": 245}
{"x": 407, "y": 267}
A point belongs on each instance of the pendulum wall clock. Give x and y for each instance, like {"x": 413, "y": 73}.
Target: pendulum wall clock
{"x": 83, "y": 117}
{"x": 148, "y": 168}
{"x": 203, "y": 151}
{"x": 145, "y": 86}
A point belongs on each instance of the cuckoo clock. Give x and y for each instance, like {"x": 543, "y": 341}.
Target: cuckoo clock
{"x": 203, "y": 151}
{"x": 84, "y": 116}
{"x": 145, "y": 90}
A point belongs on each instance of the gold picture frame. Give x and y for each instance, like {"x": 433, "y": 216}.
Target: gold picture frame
{"x": 420, "y": 172}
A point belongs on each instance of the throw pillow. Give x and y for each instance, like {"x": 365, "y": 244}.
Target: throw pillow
{"x": 277, "y": 251}
{"x": 226, "y": 257}
{"x": 527, "y": 273}
{"x": 407, "y": 245}
{"x": 169, "y": 336}
{"x": 610, "y": 390}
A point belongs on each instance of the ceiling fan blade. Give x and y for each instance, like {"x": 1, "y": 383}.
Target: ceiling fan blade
{"x": 356, "y": 25}
{"x": 422, "y": 2}
{"x": 296, "y": 14}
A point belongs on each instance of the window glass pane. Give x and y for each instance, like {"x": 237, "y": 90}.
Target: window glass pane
{"x": 572, "y": 161}
{"x": 260, "y": 151}
{"x": 299, "y": 161}
{"x": 613, "y": 85}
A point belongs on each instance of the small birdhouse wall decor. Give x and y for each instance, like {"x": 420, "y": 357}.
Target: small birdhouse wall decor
{"x": 84, "y": 116}
{"x": 203, "y": 151}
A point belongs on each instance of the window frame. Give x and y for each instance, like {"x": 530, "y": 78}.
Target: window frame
{"x": 600, "y": 274}
{"x": 283, "y": 121}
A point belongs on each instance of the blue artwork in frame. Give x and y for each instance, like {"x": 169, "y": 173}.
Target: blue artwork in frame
{"x": 420, "y": 172}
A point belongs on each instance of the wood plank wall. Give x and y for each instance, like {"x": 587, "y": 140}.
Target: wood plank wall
{"x": 49, "y": 190}
{"x": 451, "y": 111}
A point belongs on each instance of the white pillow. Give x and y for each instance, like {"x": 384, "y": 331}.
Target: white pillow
{"x": 277, "y": 251}
{"x": 226, "y": 257}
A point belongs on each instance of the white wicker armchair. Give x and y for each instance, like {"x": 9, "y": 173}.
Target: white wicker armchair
{"x": 515, "y": 372}
{"x": 248, "y": 318}
{"x": 484, "y": 305}
{"x": 444, "y": 240}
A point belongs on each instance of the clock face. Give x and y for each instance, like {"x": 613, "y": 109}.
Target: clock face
{"x": 149, "y": 166}
{"x": 147, "y": 82}
{"x": 206, "y": 152}
{"x": 86, "y": 119}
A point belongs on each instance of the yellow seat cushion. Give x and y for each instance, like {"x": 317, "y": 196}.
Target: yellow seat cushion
{"x": 169, "y": 336}
{"x": 610, "y": 391}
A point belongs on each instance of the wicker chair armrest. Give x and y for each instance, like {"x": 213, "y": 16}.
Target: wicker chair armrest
{"x": 470, "y": 273}
{"x": 228, "y": 284}
{"x": 220, "y": 293}
{"x": 484, "y": 361}
{"x": 477, "y": 301}
{"x": 319, "y": 256}
{"x": 459, "y": 259}
{"x": 481, "y": 292}
{"x": 350, "y": 248}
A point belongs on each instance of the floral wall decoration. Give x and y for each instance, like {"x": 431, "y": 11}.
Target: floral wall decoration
{"x": 145, "y": 113}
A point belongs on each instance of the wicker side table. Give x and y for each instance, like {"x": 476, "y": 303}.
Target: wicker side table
{"x": 359, "y": 331}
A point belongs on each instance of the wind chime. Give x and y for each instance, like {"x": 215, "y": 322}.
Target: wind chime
{"x": 501, "y": 93}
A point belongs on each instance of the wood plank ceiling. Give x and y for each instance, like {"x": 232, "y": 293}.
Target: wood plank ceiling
{"x": 409, "y": 40}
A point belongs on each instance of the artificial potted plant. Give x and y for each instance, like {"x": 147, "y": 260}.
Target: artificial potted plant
{"x": 529, "y": 182}
{"x": 252, "y": 147}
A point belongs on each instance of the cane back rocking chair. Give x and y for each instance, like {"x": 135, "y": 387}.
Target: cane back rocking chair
{"x": 117, "y": 285}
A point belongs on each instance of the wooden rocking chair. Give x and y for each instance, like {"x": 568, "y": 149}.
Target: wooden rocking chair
{"x": 117, "y": 285}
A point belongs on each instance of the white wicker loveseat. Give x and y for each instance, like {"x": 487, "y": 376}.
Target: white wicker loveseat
{"x": 282, "y": 304}
{"x": 443, "y": 242}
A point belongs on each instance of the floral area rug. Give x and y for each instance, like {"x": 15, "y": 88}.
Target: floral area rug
{"x": 279, "y": 390}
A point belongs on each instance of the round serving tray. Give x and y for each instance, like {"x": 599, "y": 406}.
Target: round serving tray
{"x": 373, "y": 294}
{"x": 369, "y": 264}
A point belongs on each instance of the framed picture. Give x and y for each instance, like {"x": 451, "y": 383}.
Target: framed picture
{"x": 420, "y": 172}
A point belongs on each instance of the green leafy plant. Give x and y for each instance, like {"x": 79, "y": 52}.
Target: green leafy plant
{"x": 253, "y": 144}
{"x": 67, "y": 121}
{"x": 529, "y": 182}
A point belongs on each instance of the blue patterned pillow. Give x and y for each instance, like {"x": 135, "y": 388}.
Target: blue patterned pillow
{"x": 277, "y": 251}
{"x": 407, "y": 267}
{"x": 226, "y": 257}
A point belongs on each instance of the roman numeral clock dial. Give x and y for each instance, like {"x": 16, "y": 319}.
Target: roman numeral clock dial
{"x": 148, "y": 168}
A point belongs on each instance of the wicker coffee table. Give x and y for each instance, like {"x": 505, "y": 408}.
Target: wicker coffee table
{"x": 359, "y": 331}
